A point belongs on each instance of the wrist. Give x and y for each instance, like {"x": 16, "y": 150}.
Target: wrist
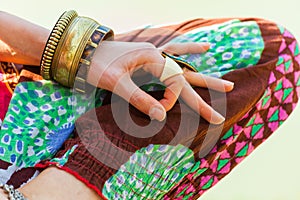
{"x": 70, "y": 47}
{"x": 3, "y": 195}
{"x": 97, "y": 64}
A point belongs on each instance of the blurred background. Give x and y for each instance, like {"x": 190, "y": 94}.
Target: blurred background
{"x": 272, "y": 171}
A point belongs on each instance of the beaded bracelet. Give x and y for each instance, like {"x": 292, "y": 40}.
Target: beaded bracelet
{"x": 72, "y": 50}
{"x": 101, "y": 33}
{"x": 13, "y": 194}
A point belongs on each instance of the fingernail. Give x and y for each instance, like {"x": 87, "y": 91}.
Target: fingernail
{"x": 207, "y": 44}
{"x": 218, "y": 118}
{"x": 157, "y": 113}
{"x": 228, "y": 84}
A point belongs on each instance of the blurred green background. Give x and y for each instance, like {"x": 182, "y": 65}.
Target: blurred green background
{"x": 272, "y": 171}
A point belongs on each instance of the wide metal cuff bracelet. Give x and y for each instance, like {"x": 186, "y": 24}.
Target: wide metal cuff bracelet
{"x": 70, "y": 49}
{"x": 72, "y": 39}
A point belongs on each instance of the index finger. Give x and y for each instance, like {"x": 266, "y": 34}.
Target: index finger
{"x": 144, "y": 102}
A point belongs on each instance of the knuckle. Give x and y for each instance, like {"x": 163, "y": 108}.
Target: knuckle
{"x": 148, "y": 44}
{"x": 170, "y": 48}
{"x": 177, "y": 80}
{"x": 181, "y": 80}
{"x": 110, "y": 78}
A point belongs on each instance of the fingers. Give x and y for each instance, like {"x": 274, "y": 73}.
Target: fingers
{"x": 170, "y": 73}
{"x": 184, "y": 48}
{"x": 190, "y": 96}
{"x": 128, "y": 90}
{"x": 172, "y": 91}
{"x": 201, "y": 80}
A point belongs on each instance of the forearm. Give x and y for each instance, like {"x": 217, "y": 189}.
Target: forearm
{"x": 21, "y": 41}
{"x": 3, "y": 196}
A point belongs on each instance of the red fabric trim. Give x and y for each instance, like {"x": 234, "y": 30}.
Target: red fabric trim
{"x": 75, "y": 174}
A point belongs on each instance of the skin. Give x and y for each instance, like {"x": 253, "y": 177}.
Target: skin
{"x": 112, "y": 68}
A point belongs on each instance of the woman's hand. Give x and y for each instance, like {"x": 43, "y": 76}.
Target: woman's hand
{"x": 115, "y": 62}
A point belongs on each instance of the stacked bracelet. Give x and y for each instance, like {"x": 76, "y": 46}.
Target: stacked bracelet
{"x": 13, "y": 194}
{"x": 68, "y": 52}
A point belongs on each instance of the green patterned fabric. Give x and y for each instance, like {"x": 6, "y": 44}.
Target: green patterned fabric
{"x": 150, "y": 173}
{"x": 42, "y": 114}
{"x": 234, "y": 45}
{"x": 41, "y": 117}
{"x": 62, "y": 160}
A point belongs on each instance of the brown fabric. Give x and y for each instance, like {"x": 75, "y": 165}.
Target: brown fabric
{"x": 93, "y": 142}
{"x": 160, "y": 36}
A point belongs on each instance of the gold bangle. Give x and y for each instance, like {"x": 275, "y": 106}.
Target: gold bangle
{"x": 70, "y": 49}
{"x": 71, "y": 46}
{"x": 51, "y": 45}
